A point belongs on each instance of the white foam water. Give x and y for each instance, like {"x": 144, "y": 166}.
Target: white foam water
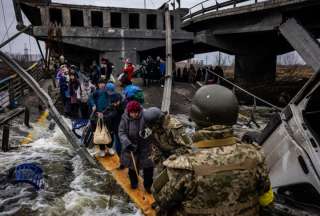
{"x": 72, "y": 187}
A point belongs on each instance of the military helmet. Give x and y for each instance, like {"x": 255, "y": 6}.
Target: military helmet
{"x": 214, "y": 105}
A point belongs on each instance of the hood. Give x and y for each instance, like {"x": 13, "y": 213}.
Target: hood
{"x": 126, "y": 116}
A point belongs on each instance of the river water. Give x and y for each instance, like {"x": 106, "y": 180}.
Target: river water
{"x": 72, "y": 187}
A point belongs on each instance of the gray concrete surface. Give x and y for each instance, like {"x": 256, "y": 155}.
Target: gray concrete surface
{"x": 129, "y": 39}
{"x": 251, "y": 33}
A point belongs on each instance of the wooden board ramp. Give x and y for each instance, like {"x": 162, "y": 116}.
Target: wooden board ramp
{"x": 139, "y": 196}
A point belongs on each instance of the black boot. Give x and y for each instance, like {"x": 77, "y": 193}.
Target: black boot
{"x": 148, "y": 179}
{"x": 133, "y": 178}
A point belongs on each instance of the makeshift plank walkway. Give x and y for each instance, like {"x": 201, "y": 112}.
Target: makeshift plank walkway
{"x": 142, "y": 199}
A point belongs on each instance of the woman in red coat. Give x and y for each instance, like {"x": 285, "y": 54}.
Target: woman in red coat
{"x": 128, "y": 71}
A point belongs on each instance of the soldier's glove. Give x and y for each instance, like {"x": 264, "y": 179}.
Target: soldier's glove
{"x": 132, "y": 148}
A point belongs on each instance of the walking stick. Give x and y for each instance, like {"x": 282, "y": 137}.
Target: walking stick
{"x": 134, "y": 164}
{"x": 137, "y": 173}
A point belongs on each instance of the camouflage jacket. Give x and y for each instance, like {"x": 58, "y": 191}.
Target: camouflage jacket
{"x": 224, "y": 179}
{"x": 170, "y": 138}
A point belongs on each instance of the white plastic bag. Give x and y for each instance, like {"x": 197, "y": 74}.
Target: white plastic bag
{"x": 101, "y": 135}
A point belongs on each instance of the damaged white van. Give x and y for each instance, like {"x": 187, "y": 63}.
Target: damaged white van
{"x": 291, "y": 143}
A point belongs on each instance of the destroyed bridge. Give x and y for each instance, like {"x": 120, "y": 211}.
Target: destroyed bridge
{"x": 254, "y": 31}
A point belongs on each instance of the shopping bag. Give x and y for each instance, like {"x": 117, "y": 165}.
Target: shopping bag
{"x": 101, "y": 135}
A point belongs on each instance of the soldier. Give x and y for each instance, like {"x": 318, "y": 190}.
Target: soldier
{"x": 169, "y": 134}
{"x": 220, "y": 177}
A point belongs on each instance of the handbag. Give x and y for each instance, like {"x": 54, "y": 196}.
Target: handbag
{"x": 101, "y": 135}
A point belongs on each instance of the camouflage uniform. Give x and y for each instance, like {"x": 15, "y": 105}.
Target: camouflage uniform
{"x": 170, "y": 138}
{"x": 220, "y": 178}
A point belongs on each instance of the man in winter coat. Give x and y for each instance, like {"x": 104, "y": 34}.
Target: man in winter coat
{"x": 221, "y": 177}
{"x": 113, "y": 117}
{"x": 99, "y": 101}
{"x": 136, "y": 145}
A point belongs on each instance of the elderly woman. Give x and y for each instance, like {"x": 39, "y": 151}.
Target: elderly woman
{"x": 136, "y": 145}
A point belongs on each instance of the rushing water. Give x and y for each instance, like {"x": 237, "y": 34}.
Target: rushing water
{"x": 72, "y": 187}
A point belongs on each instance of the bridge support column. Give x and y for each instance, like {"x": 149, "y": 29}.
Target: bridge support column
{"x": 255, "y": 69}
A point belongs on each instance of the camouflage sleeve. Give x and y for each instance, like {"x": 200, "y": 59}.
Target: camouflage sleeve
{"x": 156, "y": 153}
{"x": 263, "y": 176}
{"x": 175, "y": 190}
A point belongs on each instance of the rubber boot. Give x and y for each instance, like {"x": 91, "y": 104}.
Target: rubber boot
{"x": 133, "y": 178}
{"x": 148, "y": 179}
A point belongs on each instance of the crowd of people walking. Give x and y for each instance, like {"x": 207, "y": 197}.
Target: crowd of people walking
{"x": 98, "y": 99}
{"x": 153, "y": 71}
{"x": 212, "y": 166}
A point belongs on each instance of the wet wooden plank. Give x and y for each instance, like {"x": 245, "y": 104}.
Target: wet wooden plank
{"x": 139, "y": 196}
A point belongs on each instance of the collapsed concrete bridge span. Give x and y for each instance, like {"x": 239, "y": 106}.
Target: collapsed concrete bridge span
{"x": 251, "y": 32}
{"x": 96, "y": 32}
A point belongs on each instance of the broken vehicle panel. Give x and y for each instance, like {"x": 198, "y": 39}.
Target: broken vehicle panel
{"x": 291, "y": 144}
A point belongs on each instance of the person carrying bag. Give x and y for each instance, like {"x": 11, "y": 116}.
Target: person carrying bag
{"x": 101, "y": 136}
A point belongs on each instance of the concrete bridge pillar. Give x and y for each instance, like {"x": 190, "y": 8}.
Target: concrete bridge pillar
{"x": 106, "y": 19}
{"x": 44, "y": 11}
{"x": 86, "y": 18}
{"x": 255, "y": 69}
{"x": 66, "y": 18}
{"x": 143, "y": 21}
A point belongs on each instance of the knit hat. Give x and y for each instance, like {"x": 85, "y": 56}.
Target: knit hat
{"x": 133, "y": 106}
{"x": 110, "y": 87}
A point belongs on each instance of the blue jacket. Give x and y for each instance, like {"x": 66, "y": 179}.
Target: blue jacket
{"x": 63, "y": 86}
{"x": 100, "y": 99}
{"x": 162, "y": 69}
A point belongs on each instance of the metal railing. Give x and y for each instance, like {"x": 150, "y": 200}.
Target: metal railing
{"x": 214, "y": 5}
{"x": 13, "y": 87}
{"x": 236, "y": 87}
